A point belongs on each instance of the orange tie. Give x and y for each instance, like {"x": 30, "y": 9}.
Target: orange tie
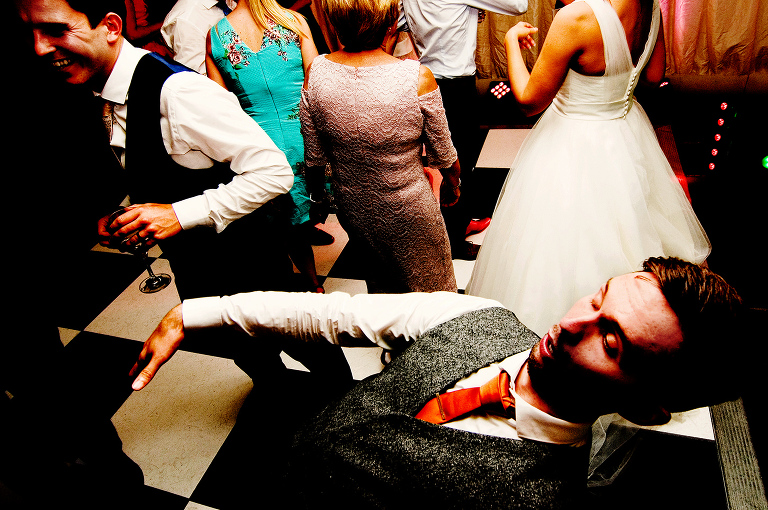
{"x": 493, "y": 395}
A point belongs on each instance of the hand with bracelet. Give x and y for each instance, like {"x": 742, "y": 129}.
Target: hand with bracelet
{"x": 450, "y": 188}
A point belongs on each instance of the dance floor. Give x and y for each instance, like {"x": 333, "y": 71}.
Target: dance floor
{"x": 197, "y": 436}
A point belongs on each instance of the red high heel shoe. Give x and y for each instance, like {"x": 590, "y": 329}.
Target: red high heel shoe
{"x": 477, "y": 226}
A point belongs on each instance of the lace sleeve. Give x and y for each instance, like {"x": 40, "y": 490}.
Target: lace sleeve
{"x": 437, "y": 137}
{"x": 313, "y": 151}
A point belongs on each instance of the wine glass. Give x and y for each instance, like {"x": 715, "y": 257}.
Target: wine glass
{"x": 154, "y": 282}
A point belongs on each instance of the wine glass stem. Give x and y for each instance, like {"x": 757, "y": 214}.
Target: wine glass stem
{"x": 147, "y": 263}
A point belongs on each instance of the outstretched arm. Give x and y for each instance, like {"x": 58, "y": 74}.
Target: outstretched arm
{"x": 387, "y": 320}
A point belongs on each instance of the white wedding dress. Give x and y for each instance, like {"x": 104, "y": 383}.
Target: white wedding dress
{"x": 590, "y": 195}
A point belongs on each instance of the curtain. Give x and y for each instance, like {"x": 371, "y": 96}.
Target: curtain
{"x": 491, "y": 57}
{"x": 702, "y": 37}
{"x": 715, "y": 36}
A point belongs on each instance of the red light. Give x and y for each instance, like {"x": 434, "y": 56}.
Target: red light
{"x": 720, "y": 122}
{"x": 714, "y": 152}
{"x": 717, "y": 138}
{"x": 723, "y": 106}
{"x": 500, "y": 90}
{"x": 711, "y": 166}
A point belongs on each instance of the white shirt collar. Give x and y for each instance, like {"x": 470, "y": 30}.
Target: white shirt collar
{"x": 116, "y": 88}
{"x": 528, "y": 423}
{"x": 532, "y": 423}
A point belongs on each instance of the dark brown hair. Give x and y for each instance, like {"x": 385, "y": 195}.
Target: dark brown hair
{"x": 709, "y": 312}
{"x": 95, "y": 10}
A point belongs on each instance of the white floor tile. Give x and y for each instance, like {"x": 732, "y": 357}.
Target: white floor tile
{"x": 197, "y": 506}
{"x": 351, "y": 287}
{"x": 67, "y": 335}
{"x": 462, "y": 269}
{"x": 501, "y": 147}
{"x": 363, "y": 361}
{"x": 325, "y": 256}
{"x": 135, "y": 315}
{"x": 174, "y": 427}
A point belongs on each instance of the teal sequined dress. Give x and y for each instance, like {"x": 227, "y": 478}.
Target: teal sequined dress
{"x": 268, "y": 85}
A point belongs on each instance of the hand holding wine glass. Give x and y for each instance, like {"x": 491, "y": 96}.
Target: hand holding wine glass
{"x": 121, "y": 231}
{"x": 150, "y": 222}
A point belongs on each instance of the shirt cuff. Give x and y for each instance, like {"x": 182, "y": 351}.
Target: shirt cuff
{"x": 201, "y": 313}
{"x": 192, "y": 212}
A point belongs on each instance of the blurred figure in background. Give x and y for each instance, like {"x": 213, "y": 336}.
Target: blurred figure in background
{"x": 186, "y": 26}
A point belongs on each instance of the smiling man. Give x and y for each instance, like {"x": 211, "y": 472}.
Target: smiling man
{"x": 641, "y": 346}
{"x": 193, "y": 161}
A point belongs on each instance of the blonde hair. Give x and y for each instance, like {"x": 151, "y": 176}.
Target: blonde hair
{"x": 361, "y": 24}
{"x": 264, "y": 10}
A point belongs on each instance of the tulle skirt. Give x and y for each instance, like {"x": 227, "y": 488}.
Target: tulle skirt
{"x": 585, "y": 200}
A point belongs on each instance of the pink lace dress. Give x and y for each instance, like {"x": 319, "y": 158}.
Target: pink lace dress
{"x": 370, "y": 125}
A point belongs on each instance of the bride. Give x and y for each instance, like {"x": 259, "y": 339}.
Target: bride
{"x": 591, "y": 194}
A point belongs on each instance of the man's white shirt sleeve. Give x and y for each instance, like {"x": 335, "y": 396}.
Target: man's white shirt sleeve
{"x": 390, "y": 321}
{"x": 201, "y": 121}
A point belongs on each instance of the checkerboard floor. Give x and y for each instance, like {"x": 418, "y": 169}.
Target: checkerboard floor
{"x": 197, "y": 437}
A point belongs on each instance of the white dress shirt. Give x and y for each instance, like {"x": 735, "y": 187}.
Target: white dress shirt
{"x": 445, "y": 31}
{"x": 390, "y": 321}
{"x": 186, "y": 27}
{"x": 201, "y": 122}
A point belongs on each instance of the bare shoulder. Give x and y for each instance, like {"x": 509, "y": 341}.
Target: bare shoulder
{"x": 575, "y": 17}
{"x": 575, "y": 30}
{"x": 302, "y": 21}
{"x": 576, "y": 10}
{"x": 427, "y": 82}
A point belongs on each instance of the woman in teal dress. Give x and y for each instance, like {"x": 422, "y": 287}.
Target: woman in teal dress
{"x": 260, "y": 52}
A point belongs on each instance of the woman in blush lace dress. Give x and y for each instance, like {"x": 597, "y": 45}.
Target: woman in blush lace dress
{"x": 369, "y": 115}
{"x": 591, "y": 194}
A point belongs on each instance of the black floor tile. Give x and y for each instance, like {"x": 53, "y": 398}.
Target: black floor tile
{"x": 248, "y": 469}
{"x": 91, "y": 285}
{"x": 351, "y": 263}
{"x": 156, "y": 499}
{"x": 487, "y": 184}
{"x": 97, "y": 367}
{"x": 665, "y": 472}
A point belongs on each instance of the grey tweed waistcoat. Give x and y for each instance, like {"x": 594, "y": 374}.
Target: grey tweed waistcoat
{"x": 367, "y": 450}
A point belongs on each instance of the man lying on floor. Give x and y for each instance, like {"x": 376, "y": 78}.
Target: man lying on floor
{"x": 640, "y": 346}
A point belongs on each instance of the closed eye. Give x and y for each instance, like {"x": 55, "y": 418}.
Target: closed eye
{"x": 54, "y": 29}
{"x": 611, "y": 344}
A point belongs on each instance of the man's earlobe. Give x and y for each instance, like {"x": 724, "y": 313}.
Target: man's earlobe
{"x": 114, "y": 25}
{"x": 650, "y": 415}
